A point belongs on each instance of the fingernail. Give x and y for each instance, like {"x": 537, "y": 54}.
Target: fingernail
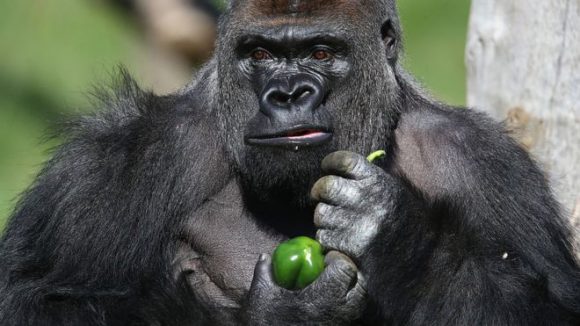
{"x": 262, "y": 257}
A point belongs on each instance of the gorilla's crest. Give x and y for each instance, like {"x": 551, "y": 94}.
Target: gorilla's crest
{"x": 283, "y": 7}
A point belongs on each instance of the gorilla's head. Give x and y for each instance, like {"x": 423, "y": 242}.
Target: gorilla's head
{"x": 302, "y": 78}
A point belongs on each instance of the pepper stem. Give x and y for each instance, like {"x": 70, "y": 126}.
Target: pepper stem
{"x": 375, "y": 155}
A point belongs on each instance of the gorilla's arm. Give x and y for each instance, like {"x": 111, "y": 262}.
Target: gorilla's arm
{"x": 501, "y": 251}
{"x": 91, "y": 242}
{"x": 459, "y": 229}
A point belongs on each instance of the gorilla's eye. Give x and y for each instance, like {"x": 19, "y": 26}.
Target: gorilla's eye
{"x": 321, "y": 55}
{"x": 260, "y": 55}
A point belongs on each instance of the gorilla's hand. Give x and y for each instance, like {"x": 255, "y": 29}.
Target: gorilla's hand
{"x": 357, "y": 199}
{"x": 337, "y": 297}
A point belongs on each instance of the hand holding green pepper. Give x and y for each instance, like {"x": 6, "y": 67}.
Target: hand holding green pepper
{"x": 298, "y": 262}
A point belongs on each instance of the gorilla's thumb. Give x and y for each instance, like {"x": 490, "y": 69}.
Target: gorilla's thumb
{"x": 262, "y": 274}
{"x": 340, "y": 274}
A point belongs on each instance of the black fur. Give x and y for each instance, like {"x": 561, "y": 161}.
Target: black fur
{"x": 99, "y": 238}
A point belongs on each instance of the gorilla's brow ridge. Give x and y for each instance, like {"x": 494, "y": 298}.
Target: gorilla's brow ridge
{"x": 277, "y": 40}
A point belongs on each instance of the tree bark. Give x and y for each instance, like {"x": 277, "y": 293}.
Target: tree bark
{"x": 523, "y": 59}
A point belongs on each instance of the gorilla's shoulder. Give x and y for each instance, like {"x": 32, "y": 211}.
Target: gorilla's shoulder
{"x": 135, "y": 142}
{"x": 124, "y": 115}
{"x": 435, "y": 141}
{"x": 449, "y": 126}
{"x": 132, "y": 130}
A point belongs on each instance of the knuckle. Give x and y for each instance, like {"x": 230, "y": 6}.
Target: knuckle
{"x": 327, "y": 183}
{"x": 340, "y": 160}
{"x": 320, "y": 188}
{"x": 348, "y": 162}
{"x": 321, "y": 214}
{"x": 325, "y": 239}
{"x": 337, "y": 156}
{"x": 332, "y": 185}
{"x": 354, "y": 298}
{"x": 315, "y": 191}
{"x": 347, "y": 271}
{"x": 364, "y": 170}
{"x": 349, "y": 189}
{"x": 329, "y": 161}
{"x": 341, "y": 264}
{"x": 353, "y": 194}
{"x": 321, "y": 237}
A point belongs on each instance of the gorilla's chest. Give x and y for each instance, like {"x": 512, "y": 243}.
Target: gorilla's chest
{"x": 222, "y": 247}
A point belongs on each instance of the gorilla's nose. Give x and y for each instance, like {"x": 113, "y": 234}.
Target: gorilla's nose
{"x": 297, "y": 92}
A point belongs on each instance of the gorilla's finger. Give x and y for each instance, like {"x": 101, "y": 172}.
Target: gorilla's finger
{"x": 263, "y": 278}
{"x": 329, "y": 239}
{"x": 329, "y": 217}
{"x": 348, "y": 164}
{"x": 356, "y": 298}
{"x": 340, "y": 274}
{"x": 336, "y": 190}
{"x": 359, "y": 290}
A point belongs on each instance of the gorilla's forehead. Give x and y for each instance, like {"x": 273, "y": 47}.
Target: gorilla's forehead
{"x": 282, "y": 7}
{"x": 304, "y": 8}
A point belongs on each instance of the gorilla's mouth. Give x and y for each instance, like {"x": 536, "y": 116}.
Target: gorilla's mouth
{"x": 298, "y": 136}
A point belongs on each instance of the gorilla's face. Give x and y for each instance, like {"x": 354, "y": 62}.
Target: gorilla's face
{"x": 296, "y": 87}
{"x": 293, "y": 71}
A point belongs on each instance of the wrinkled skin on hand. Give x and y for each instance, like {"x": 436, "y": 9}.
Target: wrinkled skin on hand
{"x": 356, "y": 199}
{"x": 337, "y": 297}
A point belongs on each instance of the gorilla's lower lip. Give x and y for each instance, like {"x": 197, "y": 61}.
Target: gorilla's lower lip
{"x": 291, "y": 139}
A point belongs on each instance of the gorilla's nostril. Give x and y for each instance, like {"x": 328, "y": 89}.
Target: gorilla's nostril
{"x": 281, "y": 98}
{"x": 302, "y": 94}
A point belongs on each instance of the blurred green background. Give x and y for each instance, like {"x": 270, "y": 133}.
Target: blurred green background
{"x": 53, "y": 52}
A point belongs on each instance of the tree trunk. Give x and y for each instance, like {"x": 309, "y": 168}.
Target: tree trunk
{"x": 523, "y": 59}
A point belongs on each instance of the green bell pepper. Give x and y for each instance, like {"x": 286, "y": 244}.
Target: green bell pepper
{"x": 297, "y": 262}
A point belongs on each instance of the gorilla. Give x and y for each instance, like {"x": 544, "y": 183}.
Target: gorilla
{"x": 163, "y": 210}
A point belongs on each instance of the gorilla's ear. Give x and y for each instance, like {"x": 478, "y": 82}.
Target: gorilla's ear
{"x": 390, "y": 40}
